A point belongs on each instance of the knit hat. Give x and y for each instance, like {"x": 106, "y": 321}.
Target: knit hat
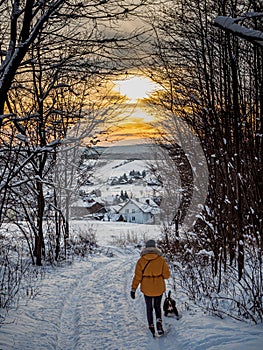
{"x": 150, "y": 243}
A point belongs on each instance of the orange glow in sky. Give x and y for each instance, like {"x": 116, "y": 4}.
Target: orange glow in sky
{"x": 136, "y": 127}
{"x": 138, "y": 124}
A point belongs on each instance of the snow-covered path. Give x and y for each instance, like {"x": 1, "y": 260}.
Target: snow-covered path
{"x": 87, "y": 306}
{"x": 103, "y": 317}
{"x": 83, "y": 306}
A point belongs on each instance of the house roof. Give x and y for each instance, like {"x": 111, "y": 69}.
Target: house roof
{"x": 86, "y": 204}
{"x": 144, "y": 207}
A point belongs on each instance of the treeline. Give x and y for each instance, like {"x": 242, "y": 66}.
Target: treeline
{"x": 55, "y": 60}
{"x": 124, "y": 179}
{"x": 212, "y": 80}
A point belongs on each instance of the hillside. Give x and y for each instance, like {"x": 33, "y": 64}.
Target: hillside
{"x": 116, "y": 161}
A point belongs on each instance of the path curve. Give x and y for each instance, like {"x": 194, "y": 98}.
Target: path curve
{"x": 87, "y": 306}
{"x": 84, "y": 306}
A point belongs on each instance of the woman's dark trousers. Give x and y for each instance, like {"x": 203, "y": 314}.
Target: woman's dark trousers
{"x": 153, "y": 303}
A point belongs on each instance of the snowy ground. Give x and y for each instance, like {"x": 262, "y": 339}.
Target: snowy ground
{"x": 116, "y": 168}
{"x": 87, "y": 305}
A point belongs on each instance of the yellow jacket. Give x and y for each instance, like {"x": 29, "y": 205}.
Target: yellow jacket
{"x": 151, "y": 270}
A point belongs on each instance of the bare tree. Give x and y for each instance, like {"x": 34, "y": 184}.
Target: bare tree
{"x": 213, "y": 81}
{"x": 54, "y": 57}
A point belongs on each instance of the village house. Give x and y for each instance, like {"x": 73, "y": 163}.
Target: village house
{"x": 91, "y": 207}
{"x": 146, "y": 212}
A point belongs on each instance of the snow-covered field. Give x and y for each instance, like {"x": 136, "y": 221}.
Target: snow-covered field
{"x": 106, "y": 170}
{"x": 87, "y": 305}
{"x": 118, "y": 160}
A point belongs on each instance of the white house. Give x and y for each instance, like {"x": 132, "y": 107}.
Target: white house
{"x": 140, "y": 213}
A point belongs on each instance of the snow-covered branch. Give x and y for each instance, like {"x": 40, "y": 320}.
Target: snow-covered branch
{"x": 231, "y": 25}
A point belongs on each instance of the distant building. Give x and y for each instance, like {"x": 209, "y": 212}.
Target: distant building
{"x": 92, "y": 208}
{"x": 140, "y": 213}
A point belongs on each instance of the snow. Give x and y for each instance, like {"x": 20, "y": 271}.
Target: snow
{"x": 205, "y": 252}
{"x": 87, "y": 305}
{"x": 22, "y": 137}
{"x": 229, "y": 23}
{"x": 116, "y": 168}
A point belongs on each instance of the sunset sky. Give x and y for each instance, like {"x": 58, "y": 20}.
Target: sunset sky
{"x": 136, "y": 126}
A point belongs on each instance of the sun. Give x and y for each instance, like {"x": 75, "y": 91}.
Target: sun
{"x": 135, "y": 87}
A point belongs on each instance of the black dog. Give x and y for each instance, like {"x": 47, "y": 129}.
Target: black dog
{"x": 169, "y": 306}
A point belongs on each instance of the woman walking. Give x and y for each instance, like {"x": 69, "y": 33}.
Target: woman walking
{"x": 150, "y": 272}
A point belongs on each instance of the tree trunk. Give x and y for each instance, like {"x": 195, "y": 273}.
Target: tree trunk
{"x": 40, "y": 246}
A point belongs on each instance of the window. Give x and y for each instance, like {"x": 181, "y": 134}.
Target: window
{"x": 133, "y": 218}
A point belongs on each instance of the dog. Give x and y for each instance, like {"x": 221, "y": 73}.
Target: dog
{"x": 169, "y": 306}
